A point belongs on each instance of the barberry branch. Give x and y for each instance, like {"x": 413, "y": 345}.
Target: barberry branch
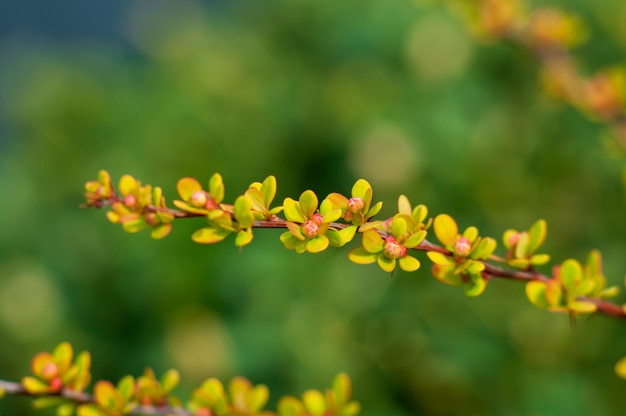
{"x": 462, "y": 259}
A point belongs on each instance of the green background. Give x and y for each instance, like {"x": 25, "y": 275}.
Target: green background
{"x": 317, "y": 94}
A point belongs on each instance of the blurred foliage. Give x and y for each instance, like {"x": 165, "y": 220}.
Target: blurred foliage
{"x": 318, "y": 94}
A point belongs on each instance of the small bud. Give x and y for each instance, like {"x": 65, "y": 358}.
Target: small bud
{"x": 310, "y": 228}
{"x": 152, "y": 219}
{"x": 355, "y": 204}
{"x": 198, "y": 199}
{"x": 317, "y": 219}
{"x": 56, "y": 384}
{"x": 130, "y": 201}
{"x": 49, "y": 371}
{"x": 514, "y": 239}
{"x": 211, "y": 204}
{"x": 393, "y": 249}
{"x": 462, "y": 247}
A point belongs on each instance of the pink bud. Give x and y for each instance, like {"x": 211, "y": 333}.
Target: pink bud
{"x": 355, "y": 204}
{"x": 310, "y": 228}
{"x": 462, "y": 247}
{"x": 56, "y": 384}
{"x": 152, "y": 219}
{"x": 317, "y": 219}
{"x": 514, "y": 239}
{"x": 49, "y": 371}
{"x": 393, "y": 249}
{"x": 198, "y": 198}
{"x": 130, "y": 201}
{"x": 211, "y": 204}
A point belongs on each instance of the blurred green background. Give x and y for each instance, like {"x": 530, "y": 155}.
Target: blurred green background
{"x": 318, "y": 94}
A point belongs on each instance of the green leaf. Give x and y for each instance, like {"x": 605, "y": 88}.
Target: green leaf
{"x": 334, "y": 238}
{"x": 66, "y": 409}
{"x": 342, "y": 387}
{"x": 521, "y": 250}
{"x": 507, "y": 236}
{"x": 244, "y": 237}
{"x": 107, "y": 396}
{"x": 404, "y": 206}
{"x": 536, "y": 235}
{"x": 317, "y": 244}
{"x": 46, "y": 402}
{"x": 446, "y": 229}
{"x": 475, "y": 287}
{"x": 216, "y": 187}
{"x": 33, "y": 385}
{"x": 170, "y": 380}
{"x": 128, "y": 185}
{"x": 582, "y": 307}
{"x": 363, "y": 190}
{"x": 63, "y": 354}
{"x": 471, "y": 233}
{"x": 539, "y": 259}
{"x": 293, "y": 211}
{"x": 314, "y": 402}
{"x": 328, "y": 213}
{"x": 386, "y": 263}
{"x": 160, "y": 231}
{"x": 289, "y": 240}
{"x": 242, "y": 212}
{"x": 536, "y": 294}
{"x": 126, "y": 387}
{"x": 209, "y": 235}
{"x": 446, "y": 275}
{"x": 374, "y": 210}
{"x": 483, "y": 249}
{"x": 187, "y": 187}
{"x": 398, "y": 226}
{"x": 620, "y": 368}
{"x": 269, "y": 189}
{"x": 415, "y": 239}
{"x": 290, "y": 406}
{"x": 594, "y": 263}
{"x": 258, "y": 397}
{"x": 409, "y": 263}
{"x": 88, "y": 410}
{"x": 372, "y": 241}
{"x": 256, "y": 199}
{"x": 347, "y": 234}
{"x": 308, "y": 203}
{"x": 439, "y": 258}
{"x": 360, "y": 256}
{"x": 420, "y": 213}
{"x": 571, "y": 274}
{"x": 521, "y": 264}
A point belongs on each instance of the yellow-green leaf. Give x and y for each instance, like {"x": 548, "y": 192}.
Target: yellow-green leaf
{"x": 314, "y": 402}
{"x": 160, "y": 231}
{"x": 439, "y": 258}
{"x": 308, "y": 203}
{"x": 293, "y": 211}
{"x": 409, "y": 263}
{"x": 170, "y": 380}
{"x": 620, "y": 368}
{"x": 187, "y": 187}
{"x": 372, "y": 241}
{"x": 209, "y": 235}
{"x": 317, "y": 244}
{"x": 360, "y": 256}
{"x": 216, "y": 187}
{"x": 269, "y": 189}
{"x": 536, "y": 293}
{"x": 386, "y": 263}
{"x": 446, "y": 229}
{"x": 536, "y": 235}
